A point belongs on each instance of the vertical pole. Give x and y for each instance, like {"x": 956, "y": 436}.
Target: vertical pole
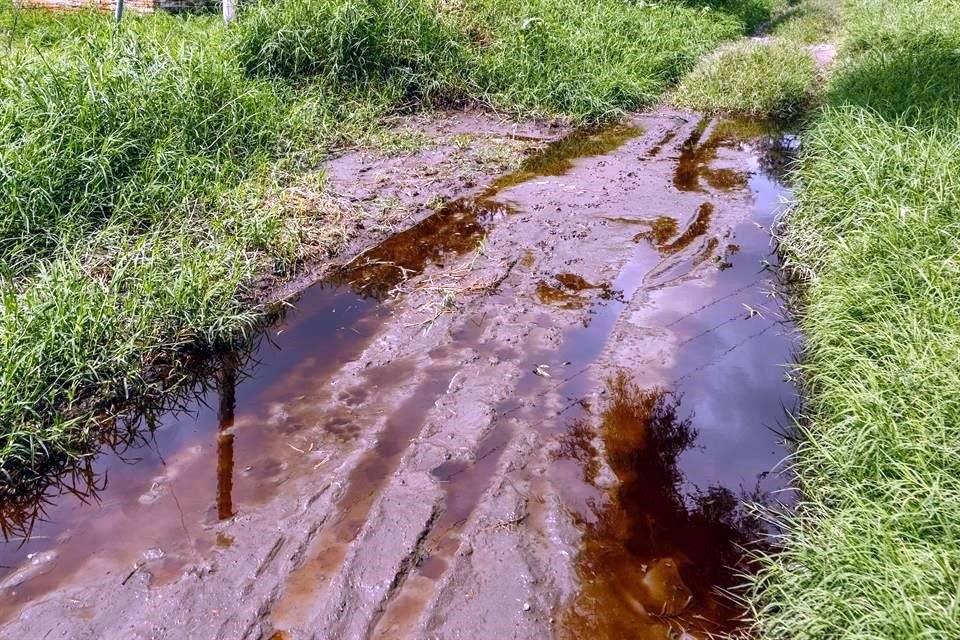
{"x": 229, "y": 10}
{"x": 118, "y": 11}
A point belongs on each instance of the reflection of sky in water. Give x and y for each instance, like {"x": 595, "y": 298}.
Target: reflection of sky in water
{"x": 736, "y": 407}
{"x": 733, "y": 372}
{"x": 732, "y": 383}
{"x": 666, "y": 537}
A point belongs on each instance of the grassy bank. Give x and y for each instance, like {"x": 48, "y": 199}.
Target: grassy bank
{"x": 873, "y": 550}
{"x": 139, "y": 168}
{"x": 769, "y": 77}
{"x": 757, "y": 80}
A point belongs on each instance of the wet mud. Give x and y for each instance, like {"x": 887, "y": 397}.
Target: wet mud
{"x": 458, "y": 227}
{"x": 535, "y": 413}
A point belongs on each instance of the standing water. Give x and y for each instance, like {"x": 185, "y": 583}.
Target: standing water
{"x": 167, "y": 476}
{"x": 632, "y": 331}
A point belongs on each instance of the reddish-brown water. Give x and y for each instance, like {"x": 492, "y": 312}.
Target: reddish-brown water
{"x": 662, "y": 547}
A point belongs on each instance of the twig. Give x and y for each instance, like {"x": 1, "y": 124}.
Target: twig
{"x": 136, "y": 568}
{"x": 13, "y": 27}
{"x": 496, "y": 284}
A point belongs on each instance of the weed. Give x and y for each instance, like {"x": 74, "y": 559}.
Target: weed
{"x": 398, "y": 141}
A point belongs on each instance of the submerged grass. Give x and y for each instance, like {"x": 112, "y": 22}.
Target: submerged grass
{"x": 872, "y": 549}
{"x": 139, "y": 166}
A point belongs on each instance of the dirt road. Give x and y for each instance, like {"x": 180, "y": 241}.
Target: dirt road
{"x": 531, "y": 415}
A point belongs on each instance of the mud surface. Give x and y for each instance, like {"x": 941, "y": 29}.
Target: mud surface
{"x": 533, "y": 414}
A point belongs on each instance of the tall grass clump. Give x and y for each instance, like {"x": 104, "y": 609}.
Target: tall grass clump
{"x": 754, "y": 79}
{"x": 584, "y": 60}
{"x": 125, "y": 234}
{"x": 404, "y": 43}
{"x": 872, "y": 548}
{"x": 129, "y": 127}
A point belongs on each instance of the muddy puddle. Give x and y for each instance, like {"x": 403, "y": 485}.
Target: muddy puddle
{"x": 688, "y": 441}
{"x": 690, "y": 444}
{"x": 459, "y": 226}
{"x": 536, "y": 413}
{"x": 169, "y": 475}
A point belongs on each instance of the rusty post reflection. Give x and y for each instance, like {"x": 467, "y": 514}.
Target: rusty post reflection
{"x": 225, "y": 415}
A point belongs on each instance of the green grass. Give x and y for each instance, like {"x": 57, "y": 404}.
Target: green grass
{"x": 806, "y": 21}
{"x": 773, "y": 78}
{"x": 873, "y": 548}
{"x": 405, "y": 44}
{"x": 134, "y": 173}
{"x": 751, "y": 78}
{"x": 591, "y": 59}
{"x": 586, "y": 60}
{"x": 140, "y": 167}
{"x": 137, "y": 170}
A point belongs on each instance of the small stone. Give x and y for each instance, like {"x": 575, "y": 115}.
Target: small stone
{"x": 526, "y": 606}
{"x": 153, "y": 554}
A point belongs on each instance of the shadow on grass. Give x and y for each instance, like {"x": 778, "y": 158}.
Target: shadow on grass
{"x": 793, "y": 11}
{"x": 752, "y": 13}
{"x": 915, "y": 81}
